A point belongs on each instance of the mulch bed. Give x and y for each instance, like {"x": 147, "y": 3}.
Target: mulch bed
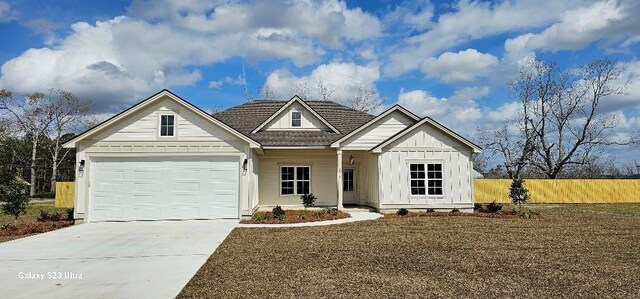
{"x": 29, "y": 227}
{"x": 450, "y": 214}
{"x": 296, "y": 216}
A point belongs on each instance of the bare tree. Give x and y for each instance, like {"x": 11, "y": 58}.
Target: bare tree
{"x": 365, "y": 99}
{"x": 325, "y": 89}
{"x": 267, "y": 93}
{"x": 33, "y": 116}
{"x": 560, "y": 123}
{"x": 68, "y": 112}
{"x": 302, "y": 89}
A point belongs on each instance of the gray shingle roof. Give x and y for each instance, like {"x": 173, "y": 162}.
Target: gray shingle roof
{"x": 248, "y": 116}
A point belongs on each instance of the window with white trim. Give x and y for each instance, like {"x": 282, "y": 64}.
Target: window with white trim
{"x": 295, "y": 180}
{"x": 426, "y": 178}
{"x": 167, "y": 125}
{"x": 296, "y": 119}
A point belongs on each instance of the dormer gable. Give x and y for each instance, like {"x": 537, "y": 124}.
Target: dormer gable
{"x": 296, "y": 115}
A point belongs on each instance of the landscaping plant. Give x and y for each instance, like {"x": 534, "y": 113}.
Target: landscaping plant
{"x": 278, "y": 213}
{"x": 403, "y": 212}
{"x": 518, "y": 193}
{"x": 15, "y": 198}
{"x": 308, "y": 200}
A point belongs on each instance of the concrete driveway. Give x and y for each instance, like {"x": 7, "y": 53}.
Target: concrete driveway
{"x": 110, "y": 260}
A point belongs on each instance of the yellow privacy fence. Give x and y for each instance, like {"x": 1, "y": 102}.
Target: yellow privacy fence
{"x": 65, "y": 193}
{"x": 561, "y": 191}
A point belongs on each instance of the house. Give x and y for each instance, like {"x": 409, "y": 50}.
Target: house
{"x": 164, "y": 158}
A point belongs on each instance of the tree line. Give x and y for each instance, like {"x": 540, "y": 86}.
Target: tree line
{"x": 33, "y": 129}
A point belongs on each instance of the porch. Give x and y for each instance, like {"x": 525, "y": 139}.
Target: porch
{"x": 336, "y": 178}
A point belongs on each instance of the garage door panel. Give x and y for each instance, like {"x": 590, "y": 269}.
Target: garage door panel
{"x": 164, "y": 188}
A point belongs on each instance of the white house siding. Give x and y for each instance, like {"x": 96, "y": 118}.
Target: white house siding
{"x": 425, "y": 144}
{"x": 378, "y": 132}
{"x": 137, "y": 136}
{"x": 283, "y": 120}
{"x": 143, "y": 125}
{"x": 366, "y": 165}
{"x": 323, "y": 165}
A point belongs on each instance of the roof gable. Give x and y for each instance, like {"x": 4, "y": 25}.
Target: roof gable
{"x": 284, "y": 108}
{"x": 394, "y": 109}
{"x": 160, "y": 96}
{"x": 433, "y": 123}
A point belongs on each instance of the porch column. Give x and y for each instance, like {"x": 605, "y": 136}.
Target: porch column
{"x": 339, "y": 178}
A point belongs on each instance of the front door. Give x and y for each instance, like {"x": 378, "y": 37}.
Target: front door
{"x": 349, "y": 186}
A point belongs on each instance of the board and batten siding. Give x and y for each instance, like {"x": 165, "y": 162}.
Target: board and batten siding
{"x": 378, "y": 132}
{"x": 323, "y": 165}
{"x": 283, "y": 120}
{"x": 426, "y": 144}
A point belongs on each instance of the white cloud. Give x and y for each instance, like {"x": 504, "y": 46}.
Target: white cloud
{"x": 227, "y": 80}
{"x": 160, "y": 45}
{"x": 416, "y": 15}
{"x": 474, "y": 20}
{"x": 328, "y": 21}
{"x": 6, "y": 13}
{"x": 460, "y": 111}
{"x": 462, "y": 66}
{"x": 605, "y": 20}
{"x": 345, "y": 78}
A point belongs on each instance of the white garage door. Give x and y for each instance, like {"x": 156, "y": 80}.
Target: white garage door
{"x": 163, "y": 188}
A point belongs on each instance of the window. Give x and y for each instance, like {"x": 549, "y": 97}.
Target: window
{"x": 426, "y": 178}
{"x": 296, "y": 119}
{"x": 167, "y": 125}
{"x": 295, "y": 180}
{"x": 347, "y": 179}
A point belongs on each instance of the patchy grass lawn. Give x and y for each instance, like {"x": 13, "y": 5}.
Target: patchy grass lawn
{"x": 569, "y": 251}
{"x": 29, "y": 224}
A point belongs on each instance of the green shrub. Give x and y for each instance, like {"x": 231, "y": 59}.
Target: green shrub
{"x": 308, "y": 200}
{"x": 430, "y": 210}
{"x": 44, "y": 195}
{"x": 455, "y": 210}
{"x": 260, "y": 217}
{"x": 45, "y": 216}
{"x": 321, "y": 213}
{"x": 15, "y": 198}
{"x": 518, "y": 192}
{"x": 493, "y": 208}
{"x": 278, "y": 213}
{"x": 69, "y": 214}
{"x": 302, "y": 215}
{"x": 332, "y": 211}
{"x": 402, "y": 212}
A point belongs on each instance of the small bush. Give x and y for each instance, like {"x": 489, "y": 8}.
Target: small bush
{"x": 477, "y": 207}
{"x": 308, "y": 200}
{"x": 403, "y": 212}
{"x": 44, "y": 195}
{"x": 321, "y": 213}
{"x": 45, "y": 216}
{"x": 455, "y": 210}
{"x": 69, "y": 214}
{"x": 15, "y": 197}
{"x": 302, "y": 215}
{"x": 518, "y": 192}
{"x": 278, "y": 213}
{"x": 491, "y": 208}
{"x": 7, "y": 227}
{"x": 430, "y": 210}
{"x": 332, "y": 211}
{"x": 260, "y": 217}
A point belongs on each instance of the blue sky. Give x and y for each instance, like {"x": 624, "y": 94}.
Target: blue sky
{"x": 450, "y": 60}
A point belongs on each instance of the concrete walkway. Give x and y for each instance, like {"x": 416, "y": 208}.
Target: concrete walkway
{"x": 150, "y": 259}
{"x": 355, "y": 216}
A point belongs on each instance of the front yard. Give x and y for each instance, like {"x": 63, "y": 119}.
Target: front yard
{"x": 568, "y": 251}
{"x": 28, "y": 223}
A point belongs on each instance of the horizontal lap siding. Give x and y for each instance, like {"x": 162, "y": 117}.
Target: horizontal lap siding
{"x": 323, "y": 175}
{"x": 378, "y": 132}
